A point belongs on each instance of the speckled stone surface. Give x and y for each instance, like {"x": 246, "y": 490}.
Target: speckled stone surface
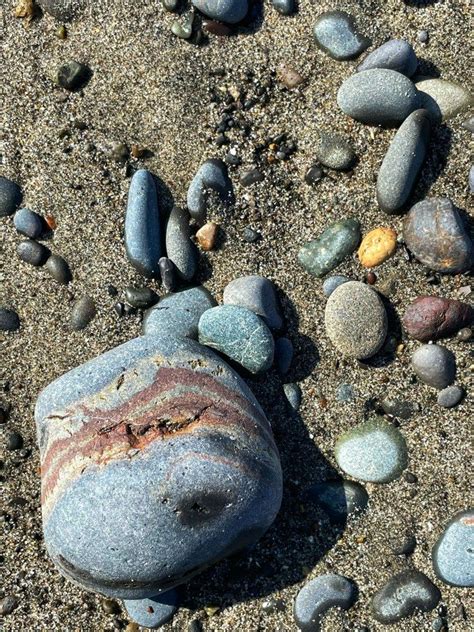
{"x": 320, "y": 595}
{"x": 333, "y": 151}
{"x": 178, "y": 314}
{"x": 230, "y": 11}
{"x": 403, "y": 595}
{"x": 293, "y": 394}
{"x": 10, "y": 196}
{"x": 154, "y": 612}
{"x": 403, "y": 161}
{"x": 450, "y": 396}
{"x": 161, "y": 437}
{"x": 378, "y": 97}
{"x": 179, "y": 247}
{"x": 374, "y": 451}
{"x": 142, "y": 224}
{"x": 28, "y": 223}
{"x": 339, "y": 499}
{"x": 434, "y": 365}
{"x": 323, "y": 254}
{"x": 444, "y": 99}
{"x": 356, "y": 320}
{"x": 396, "y": 54}
{"x": 434, "y": 317}
{"x": 257, "y": 294}
{"x": 239, "y": 334}
{"x": 64, "y": 10}
{"x": 335, "y": 33}
{"x": 453, "y": 553}
{"x": 211, "y": 177}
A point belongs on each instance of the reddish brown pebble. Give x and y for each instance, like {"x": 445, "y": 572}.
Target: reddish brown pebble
{"x": 216, "y": 28}
{"x": 206, "y": 236}
{"x": 433, "y": 317}
{"x": 371, "y": 278}
{"x": 50, "y": 221}
{"x": 288, "y": 76}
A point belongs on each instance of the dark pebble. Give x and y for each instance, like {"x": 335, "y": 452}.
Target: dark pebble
{"x": 109, "y": 606}
{"x": 119, "y": 309}
{"x": 401, "y": 408}
{"x": 14, "y": 441}
{"x": 82, "y": 313}
{"x": 140, "y": 297}
{"x": 403, "y": 595}
{"x": 129, "y": 310}
{"x": 195, "y": 626}
{"x": 464, "y": 334}
{"x": 58, "y": 268}
{"x": 320, "y": 595}
{"x": 28, "y": 223}
{"x": 63, "y": 10}
{"x": 410, "y": 478}
{"x": 339, "y": 499}
{"x": 167, "y": 273}
{"x": 250, "y": 235}
{"x": 283, "y": 354}
{"x": 404, "y": 546}
{"x": 73, "y": 76}
{"x": 8, "y": 605}
{"x": 271, "y": 605}
{"x": 9, "y": 320}
{"x": 251, "y": 177}
{"x": 32, "y": 252}
{"x": 335, "y": 32}
{"x": 285, "y": 7}
{"x": 179, "y": 247}
{"x": 216, "y": 28}
{"x": 170, "y": 5}
{"x": 112, "y": 290}
{"x": 10, "y": 197}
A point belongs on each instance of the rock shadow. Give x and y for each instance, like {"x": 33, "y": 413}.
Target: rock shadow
{"x": 435, "y": 162}
{"x": 254, "y": 19}
{"x": 387, "y": 353}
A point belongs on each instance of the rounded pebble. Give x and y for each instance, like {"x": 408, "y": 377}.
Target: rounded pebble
{"x": 377, "y": 246}
{"x": 73, "y": 75}
{"x": 434, "y": 365}
{"x": 32, "y": 252}
{"x": 28, "y": 223}
{"x": 434, "y": 317}
{"x": 257, "y": 294}
{"x": 59, "y": 269}
{"x": 334, "y": 152}
{"x": 320, "y": 595}
{"x": 10, "y": 196}
{"x": 293, "y": 394}
{"x": 179, "y": 247}
{"x": 453, "y": 553}
{"x": 211, "y": 177}
{"x": 167, "y": 273}
{"x": 321, "y": 255}
{"x": 284, "y": 352}
{"x": 9, "y": 319}
{"x": 396, "y": 54}
{"x": 443, "y": 99}
{"x": 14, "y": 441}
{"x": 206, "y": 236}
{"x": 63, "y": 10}
{"x": 339, "y": 499}
{"x": 140, "y": 297}
{"x": 231, "y": 11}
{"x": 450, "y": 396}
{"x": 83, "y": 311}
{"x": 336, "y": 34}
{"x": 285, "y": 7}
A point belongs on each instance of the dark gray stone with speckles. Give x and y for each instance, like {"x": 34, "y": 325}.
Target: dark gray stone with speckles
{"x": 396, "y": 54}
{"x": 335, "y": 33}
{"x": 320, "y": 595}
{"x": 403, "y": 595}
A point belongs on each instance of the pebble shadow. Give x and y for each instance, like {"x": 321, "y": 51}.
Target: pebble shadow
{"x": 435, "y": 163}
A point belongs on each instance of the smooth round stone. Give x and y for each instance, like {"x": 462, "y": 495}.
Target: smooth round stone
{"x": 374, "y": 452}
{"x": 334, "y": 152}
{"x": 9, "y": 320}
{"x": 293, "y": 395}
{"x": 63, "y": 10}
{"x": 230, "y": 11}
{"x": 333, "y": 282}
{"x": 153, "y": 612}
{"x": 178, "y": 314}
{"x": 284, "y": 352}
{"x": 450, "y": 396}
{"x": 320, "y": 595}
{"x": 378, "y": 97}
{"x": 163, "y": 438}
{"x": 453, "y": 553}
{"x": 32, "y": 252}
{"x": 142, "y": 224}
{"x": 443, "y": 99}
{"x": 258, "y": 294}
{"x": 400, "y": 408}
{"x": 339, "y": 499}
{"x": 83, "y": 311}
{"x": 170, "y": 5}
{"x": 73, "y": 75}
{"x": 168, "y": 273}
{"x": 239, "y": 334}
{"x": 320, "y": 256}
{"x": 435, "y": 233}
{"x": 28, "y": 223}
{"x": 10, "y": 196}
{"x": 179, "y": 247}
{"x": 313, "y": 175}
{"x": 336, "y": 34}
{"x": 140, "y": 297}
{"x": 285, "y": 7}
{"x": 396, "y": 54}
{"x": 356, "y": 320}
{"x": 206, "y": 236}
{"x": 211, "y": 177}
{"x": 434, "y": 317}
{"x": 59, "y": 269}
{"x": 434, "y": 365}
{"x": 403, "y": 595}
{"x": 377, "y": 246}
{"x": 403, "y": 161}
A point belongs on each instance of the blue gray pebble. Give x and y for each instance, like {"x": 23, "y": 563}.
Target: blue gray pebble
{"x": 453, "y": 554}
{"x": 332, "y": 282}
{"x": 471, "y": 179}
{"x": 153, "y": 612}
{"x": 83, "y": 312}
{"x": 9, "y": 319}
{"x": 230, "y": 11}
{"x": 320, "y": 595}
{"x": 256, "y": 293}
{"x": 450, "y": 396}
{"x": 396, "y": 54}
{"x": 339, "y": 499}
{"x": 211, "y": 177}
{"x": 293, "y": 395}
{"x": 345, "y": 393}
{"x": 33, "y": 252}
{"x": 28, "y": 223}
{"x": 10, "y": 196}
{"x": 179, "y": 247}
{"x": 336, "y": 34}
{"x": 284, "y": 352}
{"x": 434, "y": 365}
{"x": 285, "y": 7}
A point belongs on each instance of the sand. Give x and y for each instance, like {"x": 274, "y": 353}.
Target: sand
{"x": 154, "y": 90}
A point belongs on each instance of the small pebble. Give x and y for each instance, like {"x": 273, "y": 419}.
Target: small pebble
{"x": 345, "y": 393}
{"x": 230, "y": 11}
{"x": 423, "y": 37}
{"x": 339, "y": 499}
{"x": 434, "y": 365}
{"x": 396, "y": 54}
{"x": 464, "y": 334}
{"x": 320, "y": 595}
{"x": 140, "y": 297}
{"x": 8, "y": 605}
{"x": 251, "y": 177}
{"x": 83, "y": 311}
{"x": 250, "y": 235}
{"x": 443, "y": 99}
{"x": 336, "y": 34}
{"x": 288, "y": 75}
{"x": 206, "y": 236}
{"x": 450, "y": 396}
{"x": 63, "y": 10}
{"x": 10, "y": 197}
{"x": 14, "y": 441}
{"x": 293, "y": 395}
{"x": 171, "y": 5}
{"x": 453, "y": 554}
{"x": 404, "y": 546}
{"x": 32, "y": 252}
{"x": 377, "y": 246}
{"x": 334, "y": 152}
{"x": 400, "y": 408}
{"x": 285, "y": 7}
{"x": 9, "y": 320}
{"x": 257, "y": 294}
{"x": 59, "y": 269}
{"x": 313, "y": 175}
{"x": 28, "y": 223}
{"x": 73, "y": 76}
{"x": 167, "y": 274}
{"x": 320, "y": 256}
{"x": 211, "y": 178}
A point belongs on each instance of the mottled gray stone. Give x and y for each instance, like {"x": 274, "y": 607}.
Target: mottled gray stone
{"x": 83, "y": 312}
{"x": 168, "y": 274}
{"x": 32, "y": 252}
{"x": 153, "y": 612}
{"x": 64, "y": 10}
{"x": 320, "y": 595}
{"x": 285, "y": 7}
{"x": 453, "y": 553}
{"x": 443, "y": 99}
{"x": 332, "y": 282}
{"x": 378, "y": 97}
{"x": 284, "y": 352}
{"x": 333, "y": 151}
{"x": 142, "y": 224}
{"x": 450, "y": 396}
{"x": 339, "y": 499}
{"x": 395, "y": 407}
{"x": 28, "y": 223}
{"x": 211, "y": 177}
{"x": 396, "y": 54}
{"x": 335, "y": 33}
{"x": 345, "y": 393}
{"x": 403, "y": 595}
{"x": 258, "y": 294}
{"x": 434, "y": 365}
{"x": 239, "y": 334}
{"x": 59, "y": 269}
{"x": 374, "y": 451}
{"x": 10, "y": 196}
{"x": 230, "y": 11}
{"x": 323, "y": 254}
{"x": 356, "y": 320}
{"x": 293, "y": 395}
{"x": 9, "y": 320}
{"x": 179, "y": 247}
{"x": 403, "y": 161}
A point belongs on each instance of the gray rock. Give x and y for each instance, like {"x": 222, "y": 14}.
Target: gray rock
{"x": 293, "y": 395}
{"x": 333, "y": 282}
{"x": 142, "y": 224}
{"x": 403, "y": 161}
{"x": 73, "y": 75}
{"x": 284, "y": 352}
{"x": 396, "y": 54}
{"x": 400, "y": 408}
{"x": 285, "y": 7}
{"x": 435, "y": 233}
{"x": 28, "y": 223}
{"x": 334, "y": 152}
{"x": 8, "y": 604}
{"x": 251, "y": 177}
{"x": 453, "y": 553}
{"x": 59, "y": 269}
{"x": 10, "y": 196}
{"x": 168, "y": 274}
{"x": 469, "y": 124}
{"x": 320, "y": 595}
{"x": 9, "y": 320}
{"x": 257, "y": 294}
{"x": 443, "y": 99}
{"x": 403, "y": 595}
{"x": 239, "y": 334}
{"x": 32, "y": 252}
{"x": 434, "y": 365}
{"x": 356, "y": 320}
{"x": 374, "y": 451}
{"x": 63, "y": 10}
{"x": 336, "y": 34}
{"x": 230, "y": 11}
{"x": 339, "y": 499}
{"x": 323, "y": 254}
{"x": 450, "y": 396}
{"x": 140, "y": 297}
{"x": 83, "y": 312}
{"x": 171, "y": 5}
{"x": 211, "y": 178}
{"x": 378, "y": 97}
{"x": 179, "y": 247}
{"x": 153, "y": 612}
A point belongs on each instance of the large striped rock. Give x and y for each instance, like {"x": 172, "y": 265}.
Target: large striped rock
{"x": 157, "y": 461}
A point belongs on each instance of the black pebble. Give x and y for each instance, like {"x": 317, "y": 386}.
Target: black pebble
{"x": 313, "y": 175}
{"x": 58, "y": 268}
{"x": 251, "y": 177}
{"x": 82, "y": 313}
{"x": 14, "y": 441}
{"x": 167, "y": 273}
{"x": 119, "y": 308}
{"x": 73, "y": 75}
{"x": 405, "y": 546}
{"x": 112, "y": 290}
{"x": 32, "y": 252}
{"x": 10, "y": 197}
{"x": 141, "y": 297}
{"x": 195, "y": 626}
{"x": 250, "y": 235}
{"x": 9, "y": 320}
{"x": 128, "y": 310}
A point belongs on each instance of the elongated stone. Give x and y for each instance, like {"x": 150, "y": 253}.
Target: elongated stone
{"x": 179, "y": 247}
{"x": 335, "y": 33}
{"x": 10, "y": 196}
{"x": 320, "y": 595}
{"x": 403, "y": 595}
{"x": 211, "y": 178}
{"x": 231, "y": 11}
{"x": 453, "y": 553}
{"x": 396, "y": 54}
{"x": 28, "y": 223}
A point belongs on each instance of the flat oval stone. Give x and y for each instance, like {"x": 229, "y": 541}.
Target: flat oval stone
{"x": 153, "y": 612}
{"x": 179, "y": 247}
{"x": 403, "y": 595}
{"x": 434, "y": 317}
{"x": 434, "y": 365}
{"x": 285, "y": 7}
{"x": 142, "y": 224}
{"x": 231, "y": 11}
{"x": 140, "y": 297}
{"x": 211, "y": 177}
{"x": 83, "y": 312}
{"x": 378, "y": 97}
{"x": 258, "y": 294}
{"x": 403, "y": 161}
{"x": 396, "y": 54}
{"x": 339, "y": 499}
{"x": 435, "y": 233}
{"x": 161, "y": 437}
{"x": 28, "y": 223}
{"x": 443, "y": 99}
{"x": 10, "y": 196}
{"x": 334, "y": 152}
{"x": 377, "y": 246}
{"x": 284, "y": 352}
{"x": 239, "y": 334}
{"x": 63, "y": 10}
{"x": 293, "y": 395}
{"x": 320, "y": 595}
{"x": 453, "y": 553}
{"x": 336, "y": 34}
{"x": 320, "y": 256}
{"x": 333, "y": 282}
{"x": 356, "y": 320}
{"x": 32, "y": 252}
{"x": 9, "y": 319}
{"x": 374, "y": 451}
{"x": 450, "y": 396}
{"x": 59, "y": 269}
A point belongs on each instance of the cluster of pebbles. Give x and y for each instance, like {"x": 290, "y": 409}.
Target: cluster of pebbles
{"x": 163, "y": 436}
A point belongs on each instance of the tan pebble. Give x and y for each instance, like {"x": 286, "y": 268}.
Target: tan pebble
{"x": 206, "y": 236}
{"x": 360, "y": 539}
{"x": 377, "y": 246}
{"x": 288, "y": 76}
{"x": 131, "y": 627}
{"x": 211, "y": 610}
